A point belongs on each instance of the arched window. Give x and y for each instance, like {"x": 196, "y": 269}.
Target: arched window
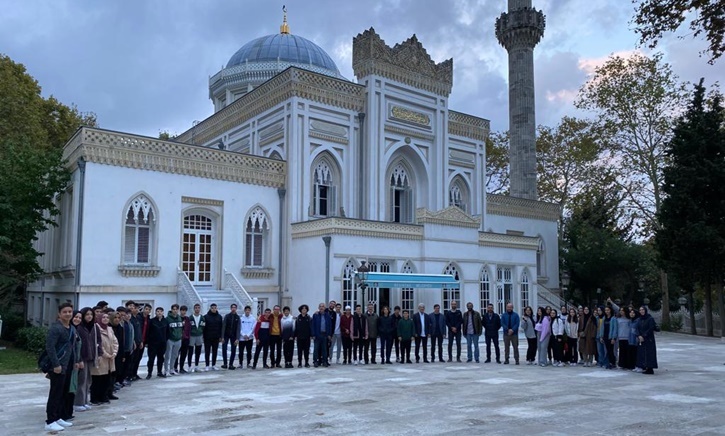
{"x": 485, "y": 287}
{"x": 541, "y": 259}
{"x": 407, "y": 295}
{"x": 401, "y": 195}
{"x": 451, "y": 293}
{"x": 139, "y": 229}
{"x": 257, "y": 235}
{"x": 349, "y": 290}
{"x": 504, "y": 284}
{"x": 324, "y": 188}
{"x": 458, "y": 194}
{"x": 525, "y": 295}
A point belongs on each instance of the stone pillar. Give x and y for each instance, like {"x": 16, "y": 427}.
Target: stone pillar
{"x": 518, "y": 31}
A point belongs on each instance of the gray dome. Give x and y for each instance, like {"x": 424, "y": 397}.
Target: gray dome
{"x": 284, "y": 48}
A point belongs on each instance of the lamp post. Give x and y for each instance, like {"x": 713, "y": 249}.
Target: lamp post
{"x": 682, "y": 301}
{"x": 596, "y": 301}
{"x": 565, "y": 280}
{"x": 363, "y": 270}
{"x": 645, "y": 300}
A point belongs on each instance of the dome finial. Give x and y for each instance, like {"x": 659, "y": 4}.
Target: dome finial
{"x": 284, "y": 28}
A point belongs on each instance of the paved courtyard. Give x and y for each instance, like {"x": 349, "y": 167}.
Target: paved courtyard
{"x": 685, "y": 396}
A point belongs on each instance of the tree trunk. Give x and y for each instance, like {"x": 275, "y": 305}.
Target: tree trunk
{"x": 665, "y": 297}
{"x": 693, "y": 327}
{"x": 721, "y": 309}
{"x": 708, "y": 308}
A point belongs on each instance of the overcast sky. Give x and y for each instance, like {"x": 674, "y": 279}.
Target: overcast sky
{"x": 143, "y": 65}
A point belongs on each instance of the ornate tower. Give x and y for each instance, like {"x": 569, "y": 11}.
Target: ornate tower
{"x": 518, "y": 31}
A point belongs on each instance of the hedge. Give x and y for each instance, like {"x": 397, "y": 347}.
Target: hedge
{"x": 32, "y": 339}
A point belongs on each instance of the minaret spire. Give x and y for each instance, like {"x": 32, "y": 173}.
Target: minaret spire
{"x": 518, "y": 31}
{"x": 284, "y": 28}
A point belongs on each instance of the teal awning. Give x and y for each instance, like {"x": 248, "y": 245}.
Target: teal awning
{"x": 397, "y": 280}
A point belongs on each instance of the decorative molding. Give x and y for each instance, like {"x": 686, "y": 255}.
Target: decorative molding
{"x": 408, "y": 63}
{"x": 355, "y": 227}
{"x": 450, "y": 216}
{"x": 409, "y": 132}
{"x": 520, "y": 28}
{"x": 271, "y": 139}
{"x": 468, "y": 126}
{"x": 139, "y": 270}
{"x": 202, "y": 201}
{"x": 328, "y": 138}
{"x": 505, "y": 205}
{"x": 257, "y": 273}
{"x": 139, "y": 152}
{"x": 406, "y": 115}
{"x": 67, "y": 272}
{"x": 292, "y": 82}
{"x": 329, "y": 129}
{"x": 488, "y": 239}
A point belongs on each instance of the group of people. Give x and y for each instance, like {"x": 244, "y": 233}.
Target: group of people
{"x": 97, "y": 351}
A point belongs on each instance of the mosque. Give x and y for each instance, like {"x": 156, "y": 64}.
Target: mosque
{"x": 300, "y": 181}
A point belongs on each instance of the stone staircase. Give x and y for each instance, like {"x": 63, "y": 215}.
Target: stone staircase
{"x": 232, "y": 292}
{"x": 223, "y": 299}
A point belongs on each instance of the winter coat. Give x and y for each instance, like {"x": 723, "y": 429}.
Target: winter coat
{"x": 477, "y": 323}
{"x": 303, "y": 327}
{"x": 346, "y": 326}
{"x": 212, "y": 326}
{"x": 405, "y": 329}
{"x": 386, "y": 326}
{"x": 359, "y": 327}
{"x": 647, "y": 350}
{"x": 587, "y": 337}
{"x": 230, "y": 326}
{"x": 528, "y": 326}
{"x": 454, "y": 319}
{"x": 157, "y": 332}
{"x": 106, "y": 363}
{"x": 492, "y": 324}
{"x": 372, "y": 322}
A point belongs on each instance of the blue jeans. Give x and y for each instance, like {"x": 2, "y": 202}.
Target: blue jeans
{"x": 472, "y": 341}
{"x": 602, "y": 354}
{"x": 543, "y": 347}
{"x": 320, "y": 354}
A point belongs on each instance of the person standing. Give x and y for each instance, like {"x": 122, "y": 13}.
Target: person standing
{"x": 184, "y": 351}
{"x": 472, "y": 327}
{"x": 173, "y": 343}
{"x": 116, "y": 320}
{"x": 230, "y": 334}
{"x": 423, "y": 327}
{"x": 558, "y": 327}
{"x": 406, "y": 331}
{"x": 213, "y": 326}
{"x": 587, "y": 337}
{"x": 492, "y": 324}
{"x": 543, "y": 327}
{"x": 527, "y": 324}
{"x": 633, "y": 346}
{"x": 90, "y": 351}
{"x": 303, "y": 334}
{"x": 144, "y": 317}
{"x": 74, "y": 366}
{"x": 59, "y": 347}
{"x": 106, "y": 363}
{"x": 196, "y": 336}
{"x": 135, "y": 321}
{"x": 386, "y": 331}
{"x": 396, "y": 342}
{"x": 647, "y": 349}
{"x": 261, "y": 335}
{"x": 359, "y": 334}
{"x": 158, "y": 334}
{"x": 511, "y": 322}
{"x": 346, "y": 331}
{"x": 623, "y": 337}
{"x": 288, "y": 336}
{"x": 247, "y": 324}
{"x": 572, "y": 334}
{"x": 321, "y": 331}
{"x": 454, "y": 322}
{"x": 606, "y": 336}
{"x": 438, "y": 332}
{"x": 371, "y": 344}
{"x": 275, "y": 337}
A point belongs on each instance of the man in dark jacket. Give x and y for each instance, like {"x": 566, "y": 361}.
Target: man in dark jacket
{"x": 492, "y": 324}
{"x": 322, "y": 330}
{"x": 213, "y": 326}
{"x": 454, "y": 322}
{"x": 156, "y": 343}
{"x": 135, "y": 320}
{"x": 303, "y": 334}
{"x": 60, "y": 351}
{"x": 230, "y": 334}
{"x": 359, "y": 334}
{"x": 423, "y": 327}
{"x": 372, "y": 342}
{"x": 510, "y": 321}
{"x": 472, "y": 328}
{"x": 437, "y": 333}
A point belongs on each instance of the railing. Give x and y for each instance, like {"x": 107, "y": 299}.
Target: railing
{"x": 232, "y": 285}
{"x": 186, "y": 292}
{"x": 549, "y": 298}
{"x": 700, "y": 321}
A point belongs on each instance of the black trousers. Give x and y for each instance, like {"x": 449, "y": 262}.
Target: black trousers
{"x": 224, "y": 350}
{"x": 371, "y": 349}
{"x": 436, "y": 339}
{"x": 531, "y": 350}
{"x": 610, "y": 352}
{"x": 303, "y": 350}
{"x": 136, "y": 361}
{"x": 245, "y": 346}
{"x": 386, "y": 346}
{"x": 184, "y": 353}
{"x": 405, "y": 350}
{"x": 197, "y": 355}
{"x": 418, "y": 341}
{"x": 56, "y": 397}
{"x": 122, "y": 359}
{"x": 275, "y": 349}
{"x": 289, "y": 349}
{"x": 396, "y": 343}
{"x": 492, "y": 338}
{"x": 558, "y": 348}
{"x": 320, "y": 356}
{"x": 358, "y": 347}
{"x": 623, "y": 352}
{"x": 262, "y": 346}
{"x": 99, "y": 388}
{"x": 571, "y": 353}
{"x": 211, "y": 347}
{"x": 451, "y": 338}
{"x": 156, "y": 352}
{"x": 346, "y": 349}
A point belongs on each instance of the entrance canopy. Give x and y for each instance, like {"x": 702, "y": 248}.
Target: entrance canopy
{"x": 395, "y": 280}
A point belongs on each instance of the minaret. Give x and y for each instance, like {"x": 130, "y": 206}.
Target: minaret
{"x": 518, "y": 31}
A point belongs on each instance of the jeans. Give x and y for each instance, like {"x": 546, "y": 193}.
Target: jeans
{"x": 335, "y": 344}
{"x": 172, "y": 352}
{"x": 472, "y": 343}
{"x": 372, "y": 345}
{"x": 543, "y": 347}
{"x": 386, "y": 346}
{"x": 84, "y": 384}
{"x": 224, "y": 350}
{"x": 320, "y": 356}
{"x": 436, "y": 339}
{"x": 358, "y": 346}
{"x": 457, "y": 338}
{"x": 492, "y": 338}
{"x": 602, "y": 358}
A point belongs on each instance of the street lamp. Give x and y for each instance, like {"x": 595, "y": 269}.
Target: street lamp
{"x": 565, "y": 280}
{"x": 363, "y": 270}
{"x": 596, "y": 301}
{"x": 682, "y": 300}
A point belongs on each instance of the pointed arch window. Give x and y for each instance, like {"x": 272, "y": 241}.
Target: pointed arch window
{"x": 541, "y": 260}
{"x": 504, "y": 285}
{"x": 525, "y": 294}
{"x": 407, "y": 295}
{"x": 139, "y": 232}
{"x": 401, "y": 195}
{"x": 349, "y": 290}
{"x": 485, "y": 287}
{"x": 458, "y": 194}
{"x": 256, "y": 239}
{"x": 451, "y": 293}
{"x": 324, "y": 190}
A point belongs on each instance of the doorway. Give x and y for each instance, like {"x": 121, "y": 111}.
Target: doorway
{"x": 383, "y": 300}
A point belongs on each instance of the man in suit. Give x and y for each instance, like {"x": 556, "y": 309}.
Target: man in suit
{"x": 423, "y": 328}
{"x": 437, "y": 332}
{"x": 491, "y": 324}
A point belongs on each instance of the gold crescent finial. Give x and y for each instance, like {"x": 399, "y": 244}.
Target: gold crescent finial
{"x": 284, "y": 28}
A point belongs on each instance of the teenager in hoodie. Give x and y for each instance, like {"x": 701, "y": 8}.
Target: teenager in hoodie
{"x": 196, "y": 336}
{"x": 275, "y": 337}
{"x": 247, "y": 324}
{"x": 386, "y": 331}
{"x": 303, "y": 333}
{"x": 359, "y": 334}
{"x": 185, "y": 339}
{"x": 405, "y": 331}
{"x": 173, "y": 343}
{"x": 212, "y": 336}
{"x": 156, "y": 338}
{"x": 230, "y": 333}
{"x": 288, "y": 336}
{"x": 346, "y": 331}
{"x": 261, "y": 334}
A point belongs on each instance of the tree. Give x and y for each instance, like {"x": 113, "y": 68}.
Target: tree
{"x": 654, "y": 18}
{"x": 691, "y": 235}
{"x": 497, "y": 163}
{"x": 32, "y": 132}
{"x": 637, "y": 100}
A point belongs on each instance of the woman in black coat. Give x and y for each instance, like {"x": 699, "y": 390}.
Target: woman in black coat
{"x": 647, "y": 349}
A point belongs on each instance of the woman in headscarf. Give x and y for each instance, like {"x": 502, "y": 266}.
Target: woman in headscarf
{"x": 90, "y": 350}
{"x": 70, "y": 393}
{"x": 587, "y": 337}
{"x": 631, "y": 362}
{"x": 105, "y": 364}
{"x": 647, "y": 349}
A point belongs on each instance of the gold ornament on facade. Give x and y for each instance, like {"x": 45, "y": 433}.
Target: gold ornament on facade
{"x": 410, "y": 116}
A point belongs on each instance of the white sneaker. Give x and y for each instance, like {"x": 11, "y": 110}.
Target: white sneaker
{"x": 354, "y": 362}
{"x": 338, "y": 361}
{"x": 214, "y": 368}
{"x": 207, "y": 369}
{"x": 88, "y": 407}
{"x": 64, "y": 423}
{"x": 79, "y": 408}
{"x": 54, "y": 426}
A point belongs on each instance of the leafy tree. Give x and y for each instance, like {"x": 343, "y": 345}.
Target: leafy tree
{"x": 691, "y": 235}
{"x": 654, "y": 18}
{"x": 637, "y": 100}
{"x": 497, "y": 163}
{"x": 32, "y": 132}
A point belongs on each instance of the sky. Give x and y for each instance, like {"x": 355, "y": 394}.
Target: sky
{"x": 143, "y": 65}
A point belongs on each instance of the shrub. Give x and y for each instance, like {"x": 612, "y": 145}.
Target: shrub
{"x": 675, "y": 324}
{"x": 12, "y": 323}
{"x": 32, "y": 339}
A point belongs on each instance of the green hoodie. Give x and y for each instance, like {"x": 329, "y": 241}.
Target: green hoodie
{"x": 176, "y": 327}
{"x": 405, "y": 329}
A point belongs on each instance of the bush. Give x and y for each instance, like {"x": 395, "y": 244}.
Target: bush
{"x": 675, "y": 324}
{"x": 12, "y": 323}
{"x": 32, "y": 339}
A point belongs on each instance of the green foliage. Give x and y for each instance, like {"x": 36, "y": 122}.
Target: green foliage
{"x": 32, "y": 339}
{"x": 674, "y": 325}
{"x": 497, "y": 163}
{"x": 654, "y": 18}
{"x": 12, "y": 322}
{"x": 17, "y": 361}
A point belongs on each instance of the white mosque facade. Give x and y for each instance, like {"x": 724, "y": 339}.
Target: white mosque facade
{"x": 298, "y": 177}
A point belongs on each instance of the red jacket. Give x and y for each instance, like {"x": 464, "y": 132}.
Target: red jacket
{"x": 262, "y": 319}
{"x": 346, "y": 326}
